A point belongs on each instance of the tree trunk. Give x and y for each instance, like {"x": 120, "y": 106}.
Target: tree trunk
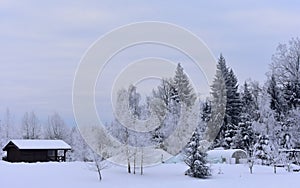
{"x": 128, "y": 160}
{"x": 98, "y": 169}
{"x": 99, "y": 173}
{"x": 134, "y": 165}
{"x": 128, "y": 166}
{"x": 142, "y": 160}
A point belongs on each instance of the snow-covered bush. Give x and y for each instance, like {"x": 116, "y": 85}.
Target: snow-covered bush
{"x": 263, "y": 151}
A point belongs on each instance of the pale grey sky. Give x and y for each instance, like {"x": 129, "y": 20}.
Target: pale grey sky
{"x": 42, "y": 41}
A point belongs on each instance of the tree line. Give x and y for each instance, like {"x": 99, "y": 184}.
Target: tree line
{"x": 260, "y": 118}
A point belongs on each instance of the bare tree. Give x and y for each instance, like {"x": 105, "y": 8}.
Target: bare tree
{"x": 123, "y": 117}
{"x": 286, "y": 73}
{"x": 31, "y": 126}
{"x": 102, "y": 148}
{"x": 127, "y": 151}
{"x": 286, "y": 62}
{"x": 7, "y": 126}
{"x": 56, "y": 128}
{"x": 100, "y": 164}
{"x": 142, "y": 161}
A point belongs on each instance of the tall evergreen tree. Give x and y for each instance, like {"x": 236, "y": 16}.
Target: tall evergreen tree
{"x": 233, "y": 105}
{"x": 218, "y": 106}
{"x": 292, "y": 94}
{"x": 245, "y": 135}
{"x": 248, "y": 104}
{"x": 230, "y": 135}
{"x": 183, "y": 87}
{"x": 206, "y": 111}
{"x": 276, "y": 103}
{"x": 172, "y": 92}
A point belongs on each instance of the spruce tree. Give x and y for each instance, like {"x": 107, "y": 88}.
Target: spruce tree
{"x": 276, "y": 103}
{"x": 245, "y": 137}
{"x": 263, "y": 150}
{"x": 292, "y": 94}
{"x": 195, "y": 158}
{"x": 245, "y": 134}
{"x": 233, "y": 105}
{"x": 218, "y": 106}
{"x": 249, "y": 108}
{"x": 206, "y": 111}
{"x": 183, "y": 87}
{"x": 230, "y": 135}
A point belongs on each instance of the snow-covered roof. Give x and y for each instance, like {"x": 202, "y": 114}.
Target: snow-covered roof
{"x": 40, "y": 144}
{"x": 218, "y": 154}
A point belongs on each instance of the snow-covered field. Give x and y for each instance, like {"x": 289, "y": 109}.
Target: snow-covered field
{"x": 79, "y": 174}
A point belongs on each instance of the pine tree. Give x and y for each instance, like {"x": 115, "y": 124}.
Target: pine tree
{"x": 206, "y": 111}
{"x": 195, "y": 158}
{"x": 218, "y": 106}
{"x": 230, "y": 135}
{"x": 183, "y": 87}
{"x": 292, "y": 94}
{"x": 245, "y": 137}
{"x": 248, "y": 104}
{"x": 276, "y": 103}
{"x": 245, "y": 134}
{"x": 173, "y": 93}
{"x": 263, "y": 150}
{"x": 233, "y": 105}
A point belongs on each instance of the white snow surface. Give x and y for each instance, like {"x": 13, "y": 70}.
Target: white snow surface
{"x": 41, "y": 144}
{"x": 79, "y": 175}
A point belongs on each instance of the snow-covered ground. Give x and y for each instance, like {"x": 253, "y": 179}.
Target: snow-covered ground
{"x": 79, "y": 174}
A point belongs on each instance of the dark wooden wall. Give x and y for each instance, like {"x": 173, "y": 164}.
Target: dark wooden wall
{"x": 33, "y": 155}
{"x": 14, "y": 154}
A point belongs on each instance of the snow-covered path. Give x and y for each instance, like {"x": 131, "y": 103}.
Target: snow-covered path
{"x": 79, "y": 174}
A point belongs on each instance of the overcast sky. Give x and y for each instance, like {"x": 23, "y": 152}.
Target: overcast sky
{"x": 42, "y": 41}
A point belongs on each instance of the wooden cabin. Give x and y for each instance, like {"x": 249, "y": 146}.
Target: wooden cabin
{"x": 36, "y": 150}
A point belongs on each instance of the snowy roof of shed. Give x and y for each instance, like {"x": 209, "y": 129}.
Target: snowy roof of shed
{"x": 221, "y": 153}
{"x": 39, "y": 144}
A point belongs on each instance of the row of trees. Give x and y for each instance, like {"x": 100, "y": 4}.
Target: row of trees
{"x": 258, "y": 118}
{"x": 32, "y": 128}
{"x": 261, "y": 119}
